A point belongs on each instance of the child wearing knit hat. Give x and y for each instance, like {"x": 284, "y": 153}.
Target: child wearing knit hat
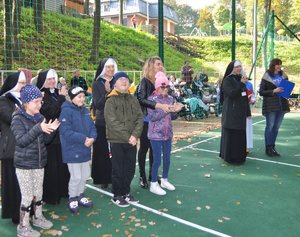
{"x": 31, "y": 134}
{"x": 124, "y": 124}
{"x": 77, "y": 135}
{"x": 160, "y": 133}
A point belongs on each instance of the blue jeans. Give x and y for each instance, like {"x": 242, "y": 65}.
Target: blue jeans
{"x": 273, "y": 122}
{"x": 160, "y": 148}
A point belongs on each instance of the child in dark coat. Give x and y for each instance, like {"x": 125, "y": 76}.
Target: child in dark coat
{"x": 31, "y": 134}
{"x": 77, "y": 135}
{"x": 124, "y": 125}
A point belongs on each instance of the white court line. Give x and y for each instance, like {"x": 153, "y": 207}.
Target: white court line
{"x": 208, "y": 139}
{"x": 174, "y": 218}
{"x": 254, "y": 158}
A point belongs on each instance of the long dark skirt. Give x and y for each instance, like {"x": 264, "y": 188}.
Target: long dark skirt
{"x": 10, "y": 191}
{"x": 56, "y": 178}
{"x": 233, "y": 146}
{"x": 101, "y": 163}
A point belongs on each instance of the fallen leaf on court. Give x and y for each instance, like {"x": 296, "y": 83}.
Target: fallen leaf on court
{"x": 96, "y": 225}
{"x": 178, "y": 156}
{"x": 137, "y": 224}
{"x": 178, "y": 169}
{"x": 152, "y": 223}
{"x": 161, "y": 202}
{"x": 132, "y": 210}
{"x": 297, "y": 155}
{"x": 207, "y": 207}
{"x": 52, "y": 232}
{"x": 238, "y": 203}
{"x": 196, "y": 190}
{"x": 207, "y": 175}
{"x": 242, "y": 174}
{"x": 198, "y": 208}
{"x": 189, "y": 140}
{"x": 117, "y": 231}
{"x": 92, "y": 213}
{"x": 132, "y": 229}
{"x": 143, "y": 226}
{"x": 64, "y": 228}
{"x": 137, "y": 220}
{"x": 123, "y": 213}
{"x": 178, "y": 202}
{"x": 220, "y": 220}
{"x": 107, "y": 235}
{"x": 163, "y": 210}
{"x": 226, "y": 218}
{"x": 298, "y": 175}
{"x": 53, "y": 215}
{"x": 132, "y": 218}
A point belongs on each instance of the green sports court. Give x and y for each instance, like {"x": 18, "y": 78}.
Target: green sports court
{"x": 212, "y": 198}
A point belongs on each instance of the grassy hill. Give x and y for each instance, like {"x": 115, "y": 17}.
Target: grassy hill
{"x": 66, "y": 44}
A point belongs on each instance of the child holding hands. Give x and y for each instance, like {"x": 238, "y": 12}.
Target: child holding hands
{"x": 160, "y": 133}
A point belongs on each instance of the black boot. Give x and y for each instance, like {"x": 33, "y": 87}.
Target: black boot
{"x": 275, "y": 153}
{"x": 269, "y": 151}
{"x": 143, "y": 182}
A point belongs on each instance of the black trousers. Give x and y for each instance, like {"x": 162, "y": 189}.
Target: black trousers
{"x": 123, "y": 167}
{"x": 145, "y": 145}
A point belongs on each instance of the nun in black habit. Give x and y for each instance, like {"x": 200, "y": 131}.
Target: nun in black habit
{"x": 235, "y": 111}
{"x": 9, "y": 102}
{"x": 57, "y": 175}
{"x": 102, "y": 85}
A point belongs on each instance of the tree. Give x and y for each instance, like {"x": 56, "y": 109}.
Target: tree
{"x": 38, "y": 15}
{"x": 8, "y": 39}
{"x": 221, "y": 15}
{"x": 187, "y": 19}
{"x": 17, "y": 6}
{"x": 294, "y": 20}
{"x": 206, "y": 21}
{"x": 96, "y": 33}
{"x": 87, "y": 7}
{"x": 121, "y": 22}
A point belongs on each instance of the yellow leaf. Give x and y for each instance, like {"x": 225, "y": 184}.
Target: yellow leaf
{"x": 52, "y": 232}
{"x": 92, "y": 213}
{"x": 151, "y": 223}
{"x": 178, "y": 202}
{"x": 137, "y": 224}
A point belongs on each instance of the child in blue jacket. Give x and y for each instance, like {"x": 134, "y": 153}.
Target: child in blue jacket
{"x": 77, "y": 135}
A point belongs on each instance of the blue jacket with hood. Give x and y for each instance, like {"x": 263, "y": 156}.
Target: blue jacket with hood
{"x": 76, "y": 125}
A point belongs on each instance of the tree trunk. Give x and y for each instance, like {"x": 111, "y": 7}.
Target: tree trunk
{"x": 96, "y": 33}
{"x": 121, "y": 22}
{"x": 267, "y": 7}
{"x": 8, "y": 39}
{"x": 86, "y": 7}
{"x": 38, "y": 7}
{"x": 16, "y": 28}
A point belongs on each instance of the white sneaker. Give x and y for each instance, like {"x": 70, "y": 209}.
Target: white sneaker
{"x": 167, "y": 185}
{"x": 42, "y": 222}
{"x": 156, "y": 189}
{"x": 27, "y": 231}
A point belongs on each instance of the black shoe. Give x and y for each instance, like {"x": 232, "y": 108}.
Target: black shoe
{"x": 120, "y": 201}
{"x": 104, "y": 186}
{"x": 143, "y": 183}
{"x": 275, "y": 153}
{"x": 129, "y": 198}
{"x": 269, "y": 151}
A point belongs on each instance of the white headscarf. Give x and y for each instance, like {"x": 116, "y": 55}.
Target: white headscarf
{"x": 109, "y": 62}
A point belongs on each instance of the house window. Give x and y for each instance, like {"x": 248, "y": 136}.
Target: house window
{"x": 106, "y": 7}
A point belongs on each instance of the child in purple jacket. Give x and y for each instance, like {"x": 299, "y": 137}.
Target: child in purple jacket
{"x": 160, "y": 133}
